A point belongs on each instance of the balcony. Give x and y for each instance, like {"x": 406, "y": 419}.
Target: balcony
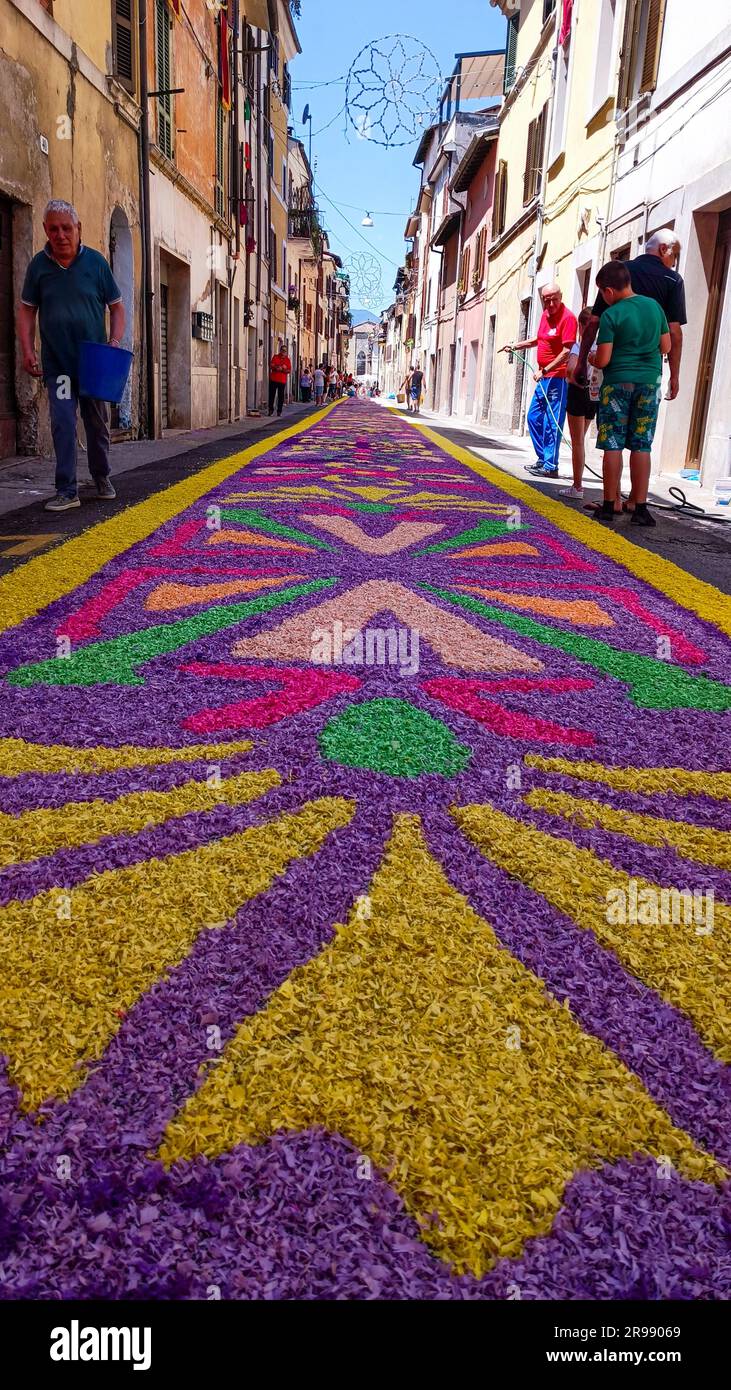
{"x": 302, "y": 223}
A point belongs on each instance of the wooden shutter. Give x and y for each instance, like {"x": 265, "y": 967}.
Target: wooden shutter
{"x": 124, "y": 44}
{"x": 653, "y": 42}
{"x": 628, "y": 56}
{"x": 530, "y": 159}
{"x": 511, "y": 49}
{"x": 164, "y": 80}
{"x": 540, "y": 148}
{"x": 220, "y": 199}
{"x": 500, "y": 198}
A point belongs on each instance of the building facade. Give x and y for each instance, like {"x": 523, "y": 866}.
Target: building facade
{"x": 70, "y": 117}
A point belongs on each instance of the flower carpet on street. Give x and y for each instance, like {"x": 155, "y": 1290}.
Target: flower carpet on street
{"x": 366, "y": 892}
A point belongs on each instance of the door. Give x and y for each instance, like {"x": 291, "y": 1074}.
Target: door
{"x": 164, "y": 393}
{"x": 223, "y": 362}
{"x": 452, "y": 377}
{"x": 8, "y": 417}
{"x": 520, "y": 367}
{"x": 472, "y": 377}
{"x": 489, "y": 367}
{"x": 709, "y": 345}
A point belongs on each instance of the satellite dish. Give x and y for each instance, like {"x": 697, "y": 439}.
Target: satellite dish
{"x": 306, "y": 115}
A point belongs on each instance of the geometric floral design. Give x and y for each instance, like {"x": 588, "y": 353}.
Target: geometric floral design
{"x": 314, "y": 987}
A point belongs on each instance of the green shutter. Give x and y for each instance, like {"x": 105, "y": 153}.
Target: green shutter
{"x": 511, "y": 49}
{"x": 164, "y": 80}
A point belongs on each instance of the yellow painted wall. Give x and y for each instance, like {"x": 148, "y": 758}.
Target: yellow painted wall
{"x": 580, "y": 177}
{"x": 89, "y": 23}
{"x": 508, "y": 267}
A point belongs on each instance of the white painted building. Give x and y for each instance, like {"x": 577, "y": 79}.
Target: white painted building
{"x": 673, "y": 168}
{"x": 364, "y": 357}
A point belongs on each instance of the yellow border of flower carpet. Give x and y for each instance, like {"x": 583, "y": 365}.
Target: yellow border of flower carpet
{"x": 672, "y": 581}
{"x": 45, "y": 578}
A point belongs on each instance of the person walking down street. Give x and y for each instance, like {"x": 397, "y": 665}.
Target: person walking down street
{"x": 319, "y": 383}
{"x": 279, "y": 370}
{"x": 405, "y": 388}
{"x": 582, "y": 403}
{"x": 416, "y": 388}
{"x": 68, "y": 287}
{"x": 332, "y": 384}
{"x": 632, "y": 340}
{"x": 306, "y": 384}
{"x": 556, "y": 335}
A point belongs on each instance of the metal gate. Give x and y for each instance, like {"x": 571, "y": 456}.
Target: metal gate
{"x": 164, "y": 356}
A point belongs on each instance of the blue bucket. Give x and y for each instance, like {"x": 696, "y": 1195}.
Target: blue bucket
{"x": 103, "y": 371}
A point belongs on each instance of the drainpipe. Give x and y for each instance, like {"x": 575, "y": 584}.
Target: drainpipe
{"x": 235, "y": 169}
{"x": 147, "y": 280}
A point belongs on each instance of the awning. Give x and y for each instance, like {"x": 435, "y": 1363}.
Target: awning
{"x": 447, "y": 227}
{"x": 412, "y": 226}
{"x": 256, "y": 13}
{"x": 473, "y": 157}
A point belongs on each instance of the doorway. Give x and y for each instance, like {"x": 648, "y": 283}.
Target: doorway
{"x": 474, "y": 353}
{"x": 517, "y": 420}
{"x": 164, "y": 369}
{"x": 8, "y": 413}
{"x": 489, "y": 367}
{"x": 709, "y": 344}
{"x": 223, "y": 364}
{"x": 452, "y": 378}
{"x": 121, "y": 256}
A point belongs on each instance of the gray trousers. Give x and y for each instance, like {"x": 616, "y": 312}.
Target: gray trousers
{"x": 95, "y": 415}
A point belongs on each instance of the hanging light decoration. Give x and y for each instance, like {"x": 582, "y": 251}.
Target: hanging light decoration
{"x": 367, "y": 221}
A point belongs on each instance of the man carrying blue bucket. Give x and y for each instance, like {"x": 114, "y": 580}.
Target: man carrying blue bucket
{"x": 70, "y": 286}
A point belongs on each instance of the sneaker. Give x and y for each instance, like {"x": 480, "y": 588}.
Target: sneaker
{"x": 59, "y": 503}
{"x": 642, "y": 516}
{"x": 104, "y": 487}
{"x": 571, "y": 492}
{"x": 533, "y": 467}
{"x": 605, "y": 513}
{"x": 538, "y": 471}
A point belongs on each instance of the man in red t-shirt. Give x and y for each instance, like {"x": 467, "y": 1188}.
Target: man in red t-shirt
{"x": 557, "y": 333}
{"x": 279, "y": 369}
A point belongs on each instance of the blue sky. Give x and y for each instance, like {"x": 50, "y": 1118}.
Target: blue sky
{"x": 358, "y": 172}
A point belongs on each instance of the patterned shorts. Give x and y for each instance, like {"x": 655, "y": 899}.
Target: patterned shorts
{"x": 627, "y": 416}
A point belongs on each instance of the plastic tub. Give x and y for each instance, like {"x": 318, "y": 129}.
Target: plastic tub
{"x": 103, "y": 371}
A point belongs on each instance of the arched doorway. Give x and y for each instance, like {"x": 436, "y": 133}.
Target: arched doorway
{"x": 122, "y": 262}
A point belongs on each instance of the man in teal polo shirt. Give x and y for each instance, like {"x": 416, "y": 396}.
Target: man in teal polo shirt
{"x": 70, "y": 287}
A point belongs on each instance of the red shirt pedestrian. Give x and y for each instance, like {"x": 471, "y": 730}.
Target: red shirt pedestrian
{"x": 555, "y": 331}
{"x": 279, "y": 369}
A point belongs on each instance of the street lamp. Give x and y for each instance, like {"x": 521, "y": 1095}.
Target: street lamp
{"x": 367, "y": 221}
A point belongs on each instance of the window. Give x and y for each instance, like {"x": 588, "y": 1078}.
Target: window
{"x": 640, "y": 57}
{"x": 621, "y": 253}
{"x": 480, "y": 258}
{"x": 274, "y": 54}
{"x": 123, "y": 35}
{"x": 464, "y": 274}
{"x": 284, "y": 180}
{"x": 511, "y": 48}
{"x": 535, "y": 149}
{"x": 560, "y": 103}
{"x": 220, "y": 189}
{"x": 585, "y": 279}
{"x": 285, "y": 282}
{"x": 163, "y": 40}
{"x": 500, "y": 199}
{"x": 287, "y": 88}
{"x": 604, "y": 57}
{"x": 272, "y": 253}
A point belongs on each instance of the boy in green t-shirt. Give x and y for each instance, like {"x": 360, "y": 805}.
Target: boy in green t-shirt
{"x": 633, "y": 337}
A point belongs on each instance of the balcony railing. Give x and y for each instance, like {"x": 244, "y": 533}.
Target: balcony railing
{"x": 302, "y": 222}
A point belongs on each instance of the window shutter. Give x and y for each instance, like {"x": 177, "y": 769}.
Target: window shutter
{"x": 123, "y": 44}
{"x": 500, "y": 198}
{"x": 653, "y": 42}
{"x": 540, "y": 148}
{"x": 220, "y": 159}
{"x": 511, "y": 49}
{"x": 630, "y": 39}
{"x": 528, "y": 174}
{"x": 164, "y": 82}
